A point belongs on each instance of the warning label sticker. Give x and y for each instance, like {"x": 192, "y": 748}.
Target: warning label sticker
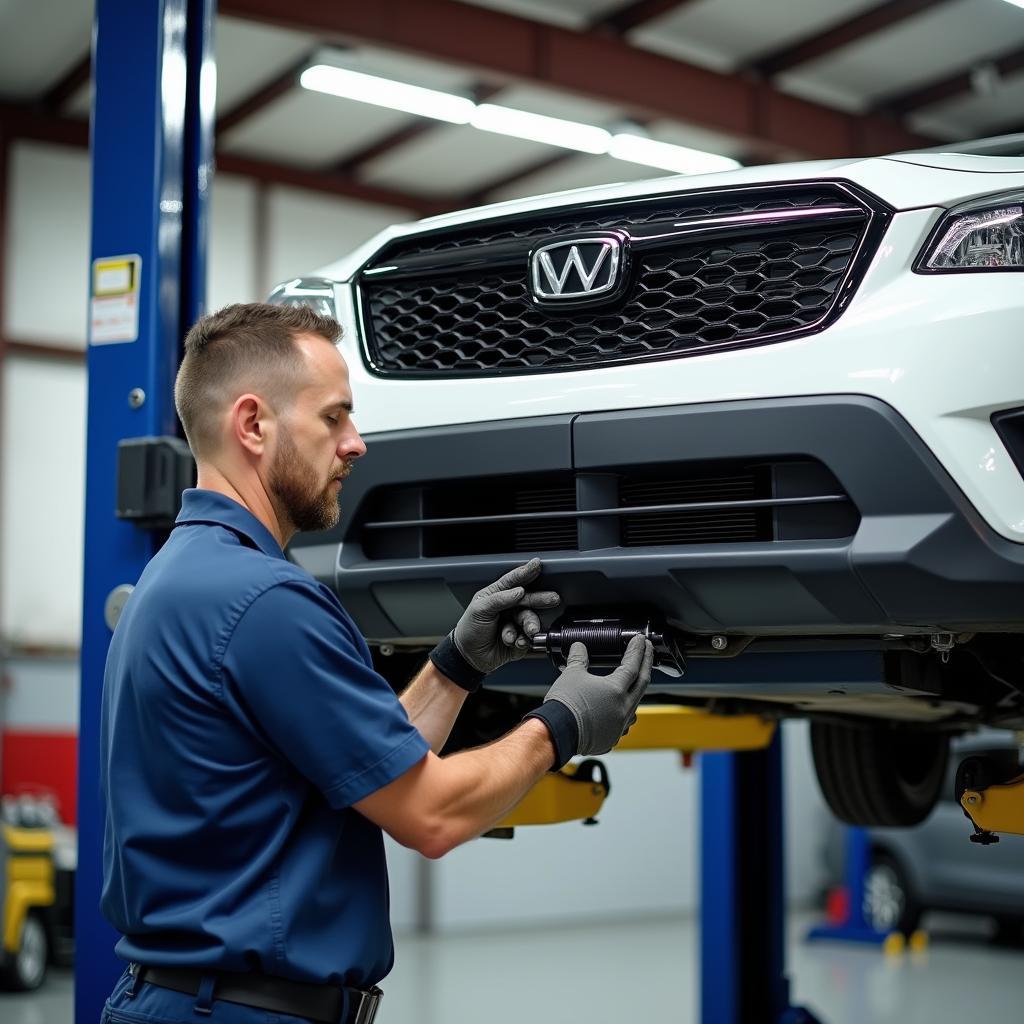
{"x": 115, "y": 300}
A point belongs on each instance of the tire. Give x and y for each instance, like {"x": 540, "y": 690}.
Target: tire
{"x": 889, "y": 903}
{"x": 26, "y": 969}
{"x": 888, "y": 776}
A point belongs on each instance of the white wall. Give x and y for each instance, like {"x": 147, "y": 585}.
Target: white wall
{"x": 807, "y": 818}
{"x": 42, "y": 501}
{"x": 306, "y": 231}
{"x": 47, "y": 245}
{"x": 232, "y": 255}
{"x": 641, "y": 857}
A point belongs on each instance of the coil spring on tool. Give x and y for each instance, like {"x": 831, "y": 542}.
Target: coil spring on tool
{"x": 599, "y": 640}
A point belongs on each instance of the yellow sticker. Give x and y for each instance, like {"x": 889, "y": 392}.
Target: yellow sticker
{"x": 115, "y": 300}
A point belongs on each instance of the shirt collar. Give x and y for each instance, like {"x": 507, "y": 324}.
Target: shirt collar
{"x": 202, "y": 506}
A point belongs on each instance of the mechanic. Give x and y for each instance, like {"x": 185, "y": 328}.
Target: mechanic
{"x": 250, "y": 755}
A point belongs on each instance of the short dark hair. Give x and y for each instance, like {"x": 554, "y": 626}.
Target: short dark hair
{"x": 244, "y": 347}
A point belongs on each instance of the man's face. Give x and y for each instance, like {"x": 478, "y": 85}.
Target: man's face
{"x": 317, "y": 442}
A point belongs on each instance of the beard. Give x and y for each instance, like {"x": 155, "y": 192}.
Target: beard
{"x": 295, "y": 485}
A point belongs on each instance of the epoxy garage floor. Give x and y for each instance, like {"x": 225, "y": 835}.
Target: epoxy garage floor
{"x": 646, "y": 970}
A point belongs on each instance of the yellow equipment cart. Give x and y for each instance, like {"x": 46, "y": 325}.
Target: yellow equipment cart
{"x": 26, "y": 904}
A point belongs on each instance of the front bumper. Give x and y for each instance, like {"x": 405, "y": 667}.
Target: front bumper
{"x": 944, "y": 351}
{"x": 919, "y": 557}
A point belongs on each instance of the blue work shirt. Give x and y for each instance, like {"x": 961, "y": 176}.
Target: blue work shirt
{"x": 241, "y": 720}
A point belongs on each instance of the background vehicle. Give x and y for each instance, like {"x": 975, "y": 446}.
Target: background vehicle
{"x": 931, "y": 867}
{"x": 37, "y": 871}
{"x": 776, "y": 412}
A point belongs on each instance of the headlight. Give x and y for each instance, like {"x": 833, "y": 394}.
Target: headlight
{"x": 315, "y": 292}
{"x": 980, "y": 236}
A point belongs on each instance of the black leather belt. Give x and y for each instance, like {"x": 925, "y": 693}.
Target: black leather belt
{"x": 322, "y": 1003}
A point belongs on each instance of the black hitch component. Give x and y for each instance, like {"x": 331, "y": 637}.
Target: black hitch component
{"x": 606, "y": 641}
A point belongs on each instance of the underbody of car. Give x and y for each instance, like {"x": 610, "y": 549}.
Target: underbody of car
{"x": 773, "y": 415}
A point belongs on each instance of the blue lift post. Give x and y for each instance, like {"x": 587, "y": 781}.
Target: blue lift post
{"x": 856, "y": 927}
{"x": 151, "y": 148}
{"x": 743, "y": 941}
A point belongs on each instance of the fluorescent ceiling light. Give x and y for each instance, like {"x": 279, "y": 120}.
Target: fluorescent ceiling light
{"x": 539, "y": 128}
{"x": 640, "y": 150}
{"x": 520, "y": 124}
{"x": 1016, "y": 3}
{"x": 384, "y": 92}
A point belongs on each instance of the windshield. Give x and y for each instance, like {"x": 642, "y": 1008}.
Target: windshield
{"x": 998, "y": 145}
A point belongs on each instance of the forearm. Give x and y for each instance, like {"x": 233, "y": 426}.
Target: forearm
{"x": 484, "y": 784}
{"x": 441, "y": 802}
{"x": 433, "y": 702}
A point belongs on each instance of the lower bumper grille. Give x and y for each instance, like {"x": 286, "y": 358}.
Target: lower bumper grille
{"x": 667, "y": 505}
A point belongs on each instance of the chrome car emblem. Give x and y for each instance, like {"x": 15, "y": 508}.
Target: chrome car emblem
{"x": 578, "y": 268}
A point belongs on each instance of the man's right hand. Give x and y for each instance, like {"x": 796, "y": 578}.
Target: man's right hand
{"x": 589, "y": 714}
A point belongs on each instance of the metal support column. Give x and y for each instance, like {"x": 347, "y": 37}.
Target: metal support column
{"x": 742, "y": 974}
{"x": 151, "y": 145}
{"x": 856, "y": 927}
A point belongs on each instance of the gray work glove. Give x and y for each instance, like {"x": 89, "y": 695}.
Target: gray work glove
{"x": 589, "y": 714}
{"x": 496, "y": 628}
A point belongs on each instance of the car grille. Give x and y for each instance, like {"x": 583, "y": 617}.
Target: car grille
{"x": 707, "y": 272}
{"x": 663, "y": 505}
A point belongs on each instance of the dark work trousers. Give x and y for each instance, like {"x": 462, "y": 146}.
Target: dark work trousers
{"x": 154, "y": 1005}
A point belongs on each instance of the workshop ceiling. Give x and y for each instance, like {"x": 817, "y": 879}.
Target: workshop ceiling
{"x": 753, "y": 81}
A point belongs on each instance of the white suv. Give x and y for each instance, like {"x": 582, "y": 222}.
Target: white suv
{"x": 777, "y": 413}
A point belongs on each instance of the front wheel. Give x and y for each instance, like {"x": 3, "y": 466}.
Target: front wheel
{"x": 884, "y": 775}
{"x": 26, "y": 968}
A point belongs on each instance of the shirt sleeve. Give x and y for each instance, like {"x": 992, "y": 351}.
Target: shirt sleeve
{"x": 292, "y": 670}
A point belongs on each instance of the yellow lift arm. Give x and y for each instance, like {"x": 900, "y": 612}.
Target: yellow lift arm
{"x": 995, "y": 809}
{"x": 577, "y": 792}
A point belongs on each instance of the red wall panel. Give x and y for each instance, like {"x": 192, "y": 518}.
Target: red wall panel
{"x": 41, "y": 762}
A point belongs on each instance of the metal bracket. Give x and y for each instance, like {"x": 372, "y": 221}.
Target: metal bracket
{"x": 151, "y": 474}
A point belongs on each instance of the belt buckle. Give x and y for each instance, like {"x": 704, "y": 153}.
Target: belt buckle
{"x": 366, "y": 1008}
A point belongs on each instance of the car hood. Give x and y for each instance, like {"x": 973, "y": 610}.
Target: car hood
{"x": 904, "y": 181}
{"x": 973, "y": 164}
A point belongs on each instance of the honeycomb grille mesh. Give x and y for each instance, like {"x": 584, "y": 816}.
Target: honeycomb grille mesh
{"x": 682, "y": 300}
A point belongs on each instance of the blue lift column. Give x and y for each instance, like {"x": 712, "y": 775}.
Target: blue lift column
{"x": 151, "y": 148}
{"x": 743, "y": 941}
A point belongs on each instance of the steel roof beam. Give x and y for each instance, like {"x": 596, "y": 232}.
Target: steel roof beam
{"x": 632, "y": 15}
{"x": 333, "y": 184}
{"x": 860, "y": 26}
{"x": 73, "y": 79}
{"x": 24, "y": 122}
{"x": 951, "y": 86}
{"x": 512, "y": 48}
{"x": 27, "y": 122}
{"x": 272, "y": 90}
{"x": 480, "y": 195}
